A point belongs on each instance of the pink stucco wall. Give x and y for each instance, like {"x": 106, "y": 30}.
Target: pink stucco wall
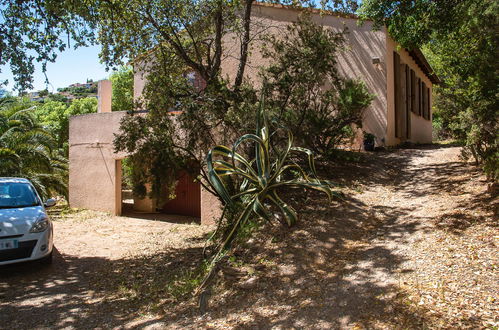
{"x": 94, "y": 168}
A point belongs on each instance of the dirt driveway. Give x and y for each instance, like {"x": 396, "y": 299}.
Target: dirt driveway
{"x": 413, "y": 244}
{"x": 93, "y": 253}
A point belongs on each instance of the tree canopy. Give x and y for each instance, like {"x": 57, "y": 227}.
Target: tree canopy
{"x": 36, "y": 30}
{"x": 28, "y": 150}
{"x": 460, "y": 40}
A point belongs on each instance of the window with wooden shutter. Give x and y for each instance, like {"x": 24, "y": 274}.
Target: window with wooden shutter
{"x": 417, "y": 84}
{"x": 420, "y": 97}
{"x": 402, "y": 110}
{"x": 413, "y": 91}
{"x": 425, "y": 101}
{"x": 408, "y": 102}
{"x": 397, "y": 93}
{"x": 428, "y": 104}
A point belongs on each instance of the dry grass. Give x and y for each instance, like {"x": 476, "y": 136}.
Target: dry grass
{"x": 412, "y": 245}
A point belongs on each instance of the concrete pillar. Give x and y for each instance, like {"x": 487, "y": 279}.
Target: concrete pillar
{"x": 211, "y": 208}
{"x": 146, "y": 204}
{"x": 104, "y": 94}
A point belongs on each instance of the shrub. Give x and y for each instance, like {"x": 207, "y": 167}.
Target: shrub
{"x": 251, "y": 188}
{"x": 308, "y": 94}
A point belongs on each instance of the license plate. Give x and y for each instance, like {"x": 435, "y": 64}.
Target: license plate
{"x": 9, "y": 244}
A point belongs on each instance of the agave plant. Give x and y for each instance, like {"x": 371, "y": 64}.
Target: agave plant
{"x": 261, "y": 179}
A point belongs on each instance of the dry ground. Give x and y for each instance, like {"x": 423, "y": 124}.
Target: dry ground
{"x": 412, "y": 245}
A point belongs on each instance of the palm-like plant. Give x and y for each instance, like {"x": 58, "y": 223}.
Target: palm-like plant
{"x": 27, "y": 150}
{"x": 272, "y": 170}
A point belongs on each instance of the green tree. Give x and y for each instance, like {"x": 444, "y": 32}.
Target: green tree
{"x": 29, "y": 151}
{"x": 303, "y": 61}
{"x": 461, "y": 41}
{"x": 36, "y": 30}
{"x": 122, "y": 82}
{"x": 54, "y": 117}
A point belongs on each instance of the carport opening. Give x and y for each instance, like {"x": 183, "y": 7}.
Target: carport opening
{"x": 127, "y": 202}
{"x": 184, "y": 208}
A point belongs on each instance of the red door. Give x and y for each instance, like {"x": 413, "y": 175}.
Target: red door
{"x": 188, "y": 200}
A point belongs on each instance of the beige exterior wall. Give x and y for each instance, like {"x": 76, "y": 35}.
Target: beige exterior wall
{"x": 355, "y": 61}
{"x": 105, "y": 92}
{"x": 421, "y": 129}
{"x": 94, "y": 167}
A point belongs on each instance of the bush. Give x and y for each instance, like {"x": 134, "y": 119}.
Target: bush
{"x": 307, "y": 93}
{"x": 250, "y": 188}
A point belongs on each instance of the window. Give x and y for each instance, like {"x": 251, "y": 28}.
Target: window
{"x": 411, "y": 95}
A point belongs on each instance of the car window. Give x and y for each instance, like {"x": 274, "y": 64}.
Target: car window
{"x": 17, "y": 194}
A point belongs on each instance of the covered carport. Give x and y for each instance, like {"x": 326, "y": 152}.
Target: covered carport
{"x": 95, "y": 170}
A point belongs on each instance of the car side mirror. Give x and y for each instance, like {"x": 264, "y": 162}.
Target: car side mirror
{"x": 50, "y": 202}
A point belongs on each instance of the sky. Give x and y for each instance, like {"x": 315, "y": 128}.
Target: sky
{"x": 71, "y": 66}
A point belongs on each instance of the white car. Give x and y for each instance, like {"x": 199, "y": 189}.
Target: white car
{"x": 26, "y": 231}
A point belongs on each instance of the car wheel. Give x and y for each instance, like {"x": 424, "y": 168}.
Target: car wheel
{"x": 47, "y": 260}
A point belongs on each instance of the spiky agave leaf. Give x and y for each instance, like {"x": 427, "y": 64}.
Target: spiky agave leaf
{"x": 259, "y": 187}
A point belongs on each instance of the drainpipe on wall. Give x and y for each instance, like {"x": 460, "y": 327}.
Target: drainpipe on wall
{"x": 104, "y": 95}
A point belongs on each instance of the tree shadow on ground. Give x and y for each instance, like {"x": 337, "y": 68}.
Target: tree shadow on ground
{"x": 321, "y": 274}
{"x": 326, "y": 272}
{"x": 91, "y": 292}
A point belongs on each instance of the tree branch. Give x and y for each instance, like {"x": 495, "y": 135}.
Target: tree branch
{"x": 244, "y": 45}
{"x": 219, "y": 25}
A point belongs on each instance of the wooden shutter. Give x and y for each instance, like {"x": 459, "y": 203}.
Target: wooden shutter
{"x": 424, "y": 107}
{"x": 420, "y": 97}
{"x": 408, "y": 102}
{"x": 403, "y": 101}
{"x": 428, "y": 112}
{"x": 417, "y": 84}
{"x": 397, "y": 93}
{"x": 413, "y": 92}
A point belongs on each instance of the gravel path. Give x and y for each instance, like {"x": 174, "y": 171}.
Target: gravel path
{"x": 413, "y": 244}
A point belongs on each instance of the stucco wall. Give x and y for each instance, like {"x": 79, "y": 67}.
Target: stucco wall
{"x": 211, "y": 208}
{"x": 95, "y": 169}
{"x": 355, "y": 61}
{"x": 94, "y": 173}
{"x": 421, "y": 129}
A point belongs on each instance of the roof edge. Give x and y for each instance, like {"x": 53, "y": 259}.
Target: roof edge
{"x": 308, "y": 9}
{"x": 418, "y": 56}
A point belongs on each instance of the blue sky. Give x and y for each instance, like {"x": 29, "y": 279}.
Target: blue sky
{"x": 71, "y": 66}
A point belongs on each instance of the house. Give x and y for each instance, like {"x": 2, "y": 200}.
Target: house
{"x": 401, "y": 80}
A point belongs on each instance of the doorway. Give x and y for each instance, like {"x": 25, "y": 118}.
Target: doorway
{"x": 188, "y": 197}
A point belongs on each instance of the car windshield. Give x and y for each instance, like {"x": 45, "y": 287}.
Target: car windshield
{"x": 17, "y": 194}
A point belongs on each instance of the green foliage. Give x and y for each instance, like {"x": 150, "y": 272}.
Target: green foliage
{"x": 412, "y": 23}
{"x": 29, "y": 151}
{"x": 38, "y": 29}
{"x": 466, "y": 103}
{"x": 308, "y": 93}
{"x": 259, "y": 182}
{"x": 80, "y": 91}
{"x": 54, "y": 117}
{"x": 460, "y": 40}
{"x": 154, "y": 160}
{"x": 122, "y": 82}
